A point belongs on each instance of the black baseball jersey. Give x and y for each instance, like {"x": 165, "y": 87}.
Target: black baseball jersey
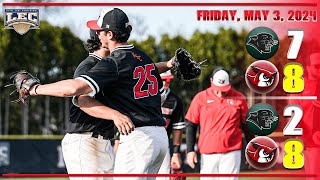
{"x": 131, "y": 84}
{"x": 172, "y": 111}
{"x": 82, "y": 122}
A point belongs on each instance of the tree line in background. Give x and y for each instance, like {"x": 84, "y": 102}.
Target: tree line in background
{"x": 53, "y": 53}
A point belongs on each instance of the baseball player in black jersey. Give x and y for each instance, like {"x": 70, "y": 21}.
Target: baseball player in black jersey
{"x": 172, "y": 111}
{"x": 131, "y": 85}
{"x": 86, "y": 147}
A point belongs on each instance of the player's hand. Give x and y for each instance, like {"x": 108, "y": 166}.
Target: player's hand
{"x": 176, "y": 159}
{"x": 192, "y": 159}
{"x": 123, "y": 123}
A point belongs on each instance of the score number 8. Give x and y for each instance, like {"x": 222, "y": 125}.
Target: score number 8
{"x": 293, "y": 81}
{"x": 293, "y": 157}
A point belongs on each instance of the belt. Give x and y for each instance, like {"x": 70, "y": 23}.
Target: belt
{"x": 96, "y": 135}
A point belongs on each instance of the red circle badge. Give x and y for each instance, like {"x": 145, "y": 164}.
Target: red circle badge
{"x": 262, "y": 153}
{"x": 262, "y": 76}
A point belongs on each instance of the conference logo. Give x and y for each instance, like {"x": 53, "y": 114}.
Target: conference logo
{"x": 21, "y": 20}
{"x": 262, "y": 43}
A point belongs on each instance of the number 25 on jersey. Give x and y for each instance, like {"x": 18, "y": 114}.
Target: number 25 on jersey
{"x": 144, "y": 76}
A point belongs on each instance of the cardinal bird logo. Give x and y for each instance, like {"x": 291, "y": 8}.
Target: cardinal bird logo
{"x": 261, "y": 153}
{"x": 262, "y": 77}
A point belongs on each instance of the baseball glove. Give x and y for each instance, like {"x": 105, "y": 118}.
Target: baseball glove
{"x": 23, "y": 81}
{"x": 185, "y": 67}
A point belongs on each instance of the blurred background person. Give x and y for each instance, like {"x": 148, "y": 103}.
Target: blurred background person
{"x": 172, "y": 111}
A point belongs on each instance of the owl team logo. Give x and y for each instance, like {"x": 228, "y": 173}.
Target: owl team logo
{"x": 262, "y": 77}
{"x": 21, "y": 20}
{"x": 262, "y": 43}
{"x": 262, "y": 119}
{"x": 262, "y": 153}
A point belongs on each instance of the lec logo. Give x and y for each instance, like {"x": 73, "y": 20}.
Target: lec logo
{"x": 21, "y": 20}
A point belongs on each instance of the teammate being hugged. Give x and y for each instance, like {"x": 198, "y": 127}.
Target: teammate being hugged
{"x": 221, "y": 112}
{"x": 86, "y": 147}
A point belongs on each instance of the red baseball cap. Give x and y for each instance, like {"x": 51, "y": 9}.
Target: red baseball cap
{"x": 166, "y": 75}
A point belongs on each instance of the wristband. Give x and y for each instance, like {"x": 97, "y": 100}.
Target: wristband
{"x": 35, "y": 89}
{"x": 176, "y": 148}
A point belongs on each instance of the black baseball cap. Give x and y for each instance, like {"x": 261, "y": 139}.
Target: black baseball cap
{"x": 114, "y": 19}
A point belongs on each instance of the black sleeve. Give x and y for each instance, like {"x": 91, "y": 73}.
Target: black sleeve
{"x": 103, "y": 74}
{"x": 177, "y": 115}
{"x": 82, "y": 69}
{"x": 191, "y": 130}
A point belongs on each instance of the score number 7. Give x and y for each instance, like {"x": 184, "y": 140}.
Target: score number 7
{"x": 295, "y": 45}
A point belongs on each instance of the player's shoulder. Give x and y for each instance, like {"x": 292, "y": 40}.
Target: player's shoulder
{"x": 92, "y": 59}
{"x": 121, "y": 52}
{"x": 87, "y": 64}
{"x": 118, "y": 55}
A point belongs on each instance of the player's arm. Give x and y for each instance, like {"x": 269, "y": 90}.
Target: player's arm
{"x": 104, "y": 73}
{"x": 192, "y": 121}
{"x": 191, "y": 130}
{"x": 178, "y": 125}
{"x": 64, "y": 88}
{"x": 96, "y": 109}
{"x": 164, "y": 66}
{"x": 177, "y": 138}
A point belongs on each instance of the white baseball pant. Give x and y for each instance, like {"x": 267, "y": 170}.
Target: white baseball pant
{"x": 221, "y": 163}
{"x": 165, "y": 167}
{"x": 84, "y": 154}
{"x": 142, "y": 151}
